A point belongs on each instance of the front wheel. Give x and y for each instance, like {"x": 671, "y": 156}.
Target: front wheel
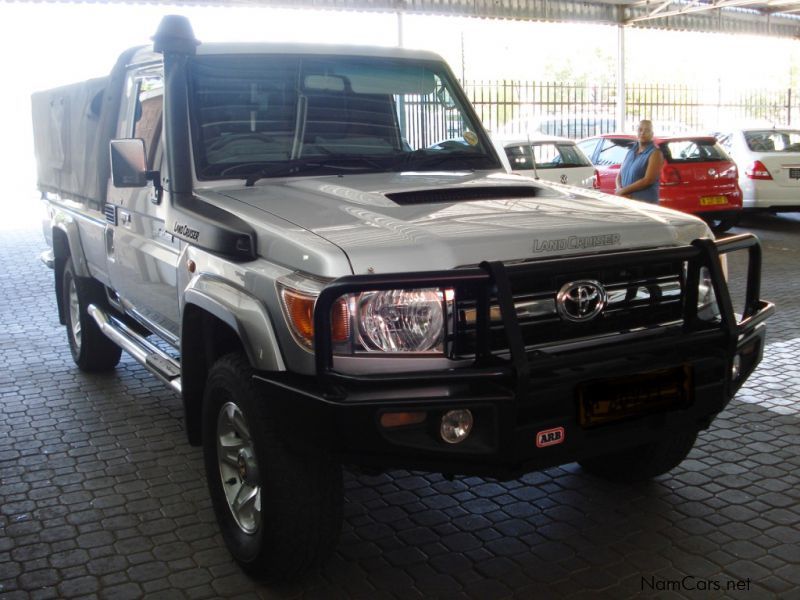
{"x": 642, "y": 462}
{"x": 279, "y": 509}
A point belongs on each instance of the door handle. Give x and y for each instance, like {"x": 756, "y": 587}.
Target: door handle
{"x": 110, "y": 243}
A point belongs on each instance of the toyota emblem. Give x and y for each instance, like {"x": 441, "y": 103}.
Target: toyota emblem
{"x": 580, "y": 301}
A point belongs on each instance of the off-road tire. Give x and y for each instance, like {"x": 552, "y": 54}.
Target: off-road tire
{"x": 301, "y": 491}
{"x": 91, "y": 350}
{"x": 643, "y": 462}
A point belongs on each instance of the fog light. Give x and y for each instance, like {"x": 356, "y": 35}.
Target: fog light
{"x": 736, "y": 367}
{"x": 456, "y": 426}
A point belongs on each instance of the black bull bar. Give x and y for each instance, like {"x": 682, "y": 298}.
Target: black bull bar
{"x": 498, "y": 280}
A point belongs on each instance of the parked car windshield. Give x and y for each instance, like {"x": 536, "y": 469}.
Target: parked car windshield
{"x": 773, "y": 140}
{"x": 546, "y": 155}
{"x": 259, "y": 116}
{"x": 698, "y": 150}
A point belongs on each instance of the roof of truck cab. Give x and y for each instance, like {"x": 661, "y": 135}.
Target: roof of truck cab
{"x": 146, "y": 54}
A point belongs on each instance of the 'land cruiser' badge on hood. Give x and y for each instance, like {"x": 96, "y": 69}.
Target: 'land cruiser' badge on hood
{"x": 577, "y": 242}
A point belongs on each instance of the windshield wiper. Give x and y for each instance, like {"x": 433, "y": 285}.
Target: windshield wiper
{"x": 421, "y": 159}
{"x": 298, "y": 165}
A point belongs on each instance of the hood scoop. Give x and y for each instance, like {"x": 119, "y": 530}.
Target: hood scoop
{"x": 463, "y": 194}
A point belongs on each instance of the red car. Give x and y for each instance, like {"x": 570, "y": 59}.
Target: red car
{"x": 698, "y": 177}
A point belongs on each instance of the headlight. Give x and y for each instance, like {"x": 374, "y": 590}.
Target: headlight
{"x": 401, "y": 320}
{"x": 707, "y": 307}
{"x": 391, "y": 321}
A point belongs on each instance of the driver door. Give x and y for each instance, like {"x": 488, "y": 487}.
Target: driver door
{"x": 142, "y": 255}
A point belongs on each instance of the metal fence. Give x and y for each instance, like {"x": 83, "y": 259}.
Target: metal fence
{"x": 576, "y": 111}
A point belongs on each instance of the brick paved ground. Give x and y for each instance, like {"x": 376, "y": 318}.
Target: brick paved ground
{"x": 101, "y": 497}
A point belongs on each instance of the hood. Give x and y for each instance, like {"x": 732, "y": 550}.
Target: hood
{"x": 394, "y": 222}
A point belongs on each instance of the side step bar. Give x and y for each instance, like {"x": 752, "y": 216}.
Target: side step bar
{"x": 155, "y": 360}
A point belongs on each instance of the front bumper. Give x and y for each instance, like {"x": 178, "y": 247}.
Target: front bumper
{"x": 676, "y": 378}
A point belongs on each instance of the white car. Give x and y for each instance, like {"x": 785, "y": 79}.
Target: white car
{"x": 549, "y": 158}
{"x": 769, "y": 166}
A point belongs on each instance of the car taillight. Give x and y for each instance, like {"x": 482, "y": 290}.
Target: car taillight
{"x": 757, "y": 170}
{"x": 596, "y": 180}
{"x": 670, "y": 176}
{"x": 730, "y": 173}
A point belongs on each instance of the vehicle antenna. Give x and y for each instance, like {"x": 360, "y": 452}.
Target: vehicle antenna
{"x": 529, "y": 148}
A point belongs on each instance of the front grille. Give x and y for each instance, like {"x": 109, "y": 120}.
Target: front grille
{"x": 637, "y": 297}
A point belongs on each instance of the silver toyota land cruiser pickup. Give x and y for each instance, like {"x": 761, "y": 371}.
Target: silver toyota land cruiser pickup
{"x": 317, "y": 247}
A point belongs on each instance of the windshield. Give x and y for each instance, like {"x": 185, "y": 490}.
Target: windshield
{"x": 282, "y": 115}
{"x": 773, "y": 141}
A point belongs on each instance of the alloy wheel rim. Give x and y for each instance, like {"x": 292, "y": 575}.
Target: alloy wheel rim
{"x": 74, "y": 314}
{"x": 238, "y": 469}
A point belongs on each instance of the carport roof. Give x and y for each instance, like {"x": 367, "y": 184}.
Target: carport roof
{"x": 764, "y": 17}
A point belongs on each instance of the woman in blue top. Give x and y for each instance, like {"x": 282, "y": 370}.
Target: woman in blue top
{"x": 638, "y": 177}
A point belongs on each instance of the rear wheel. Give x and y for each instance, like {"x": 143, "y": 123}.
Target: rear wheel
{"x": 279, "y": 509}
{"x": 642, "y": 462}
{"x": 91, "y": 350}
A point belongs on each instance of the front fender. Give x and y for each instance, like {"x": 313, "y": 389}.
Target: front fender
{"x": 244, "y": 314}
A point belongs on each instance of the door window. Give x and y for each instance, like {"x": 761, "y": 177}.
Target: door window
{"x": 147, "y": 114}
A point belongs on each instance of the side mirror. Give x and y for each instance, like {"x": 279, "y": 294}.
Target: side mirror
{"x": 128, "y": 163}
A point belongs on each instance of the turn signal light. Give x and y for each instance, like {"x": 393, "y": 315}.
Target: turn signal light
{"x": 399, "y": 419}
{"x": 299, "y": 309}
{"x": 340, "y": 321}
{"x": 757, "y": 170}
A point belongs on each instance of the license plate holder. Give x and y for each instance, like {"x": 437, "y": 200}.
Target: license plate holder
{"x": 713, "y": 200}
{"x": 620, "y": 398}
